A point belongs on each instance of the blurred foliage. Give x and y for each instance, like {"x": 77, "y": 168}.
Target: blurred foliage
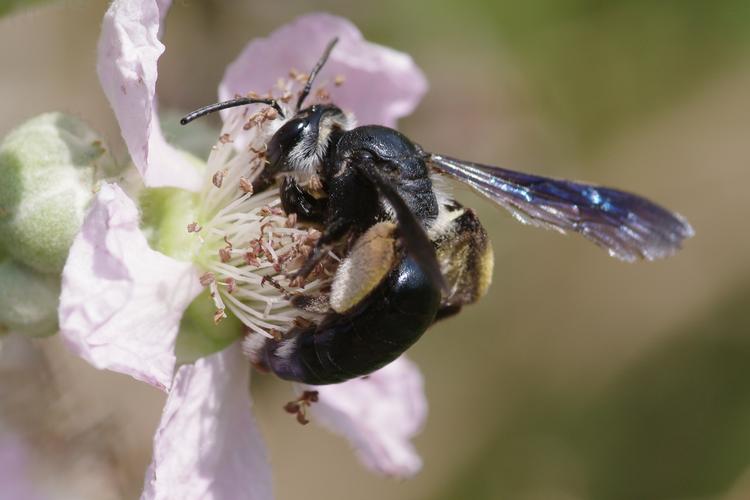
{"x": 595, "y": 65}
{"x": 620, "y": 57}
{"x": 675, "y": 425}
{"x": 8, "y": 6}
{"x": 597, "y": 62}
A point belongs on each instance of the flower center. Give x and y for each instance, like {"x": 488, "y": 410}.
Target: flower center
{"x": 244, "y": 242}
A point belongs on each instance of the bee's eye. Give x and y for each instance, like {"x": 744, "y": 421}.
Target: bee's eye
{"x": 284, "y": 140}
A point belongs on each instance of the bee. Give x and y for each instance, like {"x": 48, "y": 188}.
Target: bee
{"x": 416, "y": 255}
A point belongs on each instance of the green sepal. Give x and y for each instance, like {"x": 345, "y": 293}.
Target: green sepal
{"x": 28, "y": 300}
{"x": 166, "y": 213}
{"x": 199, "y": 336}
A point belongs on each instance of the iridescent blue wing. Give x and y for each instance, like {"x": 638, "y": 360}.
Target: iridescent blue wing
{"x": 627, "y": 226}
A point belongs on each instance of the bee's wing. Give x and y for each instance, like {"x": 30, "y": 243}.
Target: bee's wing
{"x": 627, "y": 226}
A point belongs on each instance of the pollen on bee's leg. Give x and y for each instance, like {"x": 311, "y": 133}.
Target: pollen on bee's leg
{"x": 315, "y": 184}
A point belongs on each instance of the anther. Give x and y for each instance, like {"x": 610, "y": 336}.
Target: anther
{"x": 292, "y": 407}
{"x": 322, "y": 94}
{"x": 225, "y": 254}
{"x": 273, "y": 282}
{"x": 218, "y": 178}
{"x": 270, "y": 114}
{"x": 219, "y": 315}
{"x": 207, "y": 278}
{"x": 300, "y": 405}
{"x": 291, "y": 220}
{"x": 246, "y": 186}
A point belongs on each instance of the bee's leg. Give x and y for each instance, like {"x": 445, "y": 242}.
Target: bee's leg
{"x": 295, "y": 200}
{"x": 263, "y": 181}
{"x": 465, "y": 254}
{"x": 333, "y": 232}
{"x": 448, "y": 311}
{"x": 367, "y": 264}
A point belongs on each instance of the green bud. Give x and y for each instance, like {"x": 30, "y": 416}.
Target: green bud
{"x": 48, "y": 168}
{"x": 199, "y": 335}
{"x": 28, "y": 300}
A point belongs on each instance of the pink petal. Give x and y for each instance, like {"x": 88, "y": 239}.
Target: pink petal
{"x": 381, "y": 84}
{"x": 15, "y": 474}
{"x": 207, "y": 445}
{"x": 379, "y": 414}
{"x": 121, "y": 302}
{"x": 128, "y": 50}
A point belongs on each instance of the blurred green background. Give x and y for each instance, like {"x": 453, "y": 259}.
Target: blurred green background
{"x": 577, "y": 377}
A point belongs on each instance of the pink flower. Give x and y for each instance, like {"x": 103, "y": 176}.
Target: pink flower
{"x": 122, "y": 301}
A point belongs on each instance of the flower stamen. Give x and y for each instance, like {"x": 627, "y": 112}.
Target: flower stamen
{"x": 247, "y": 241}
{"x": 300, "y": 405}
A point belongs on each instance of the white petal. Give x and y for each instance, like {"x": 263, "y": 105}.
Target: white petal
{"x": 379, "y": 414}
{"x": 128, "y": 51}
{"x": 381, "y": 84}
{"x": 207, "y": 445}
{"x": 121, "y": 302}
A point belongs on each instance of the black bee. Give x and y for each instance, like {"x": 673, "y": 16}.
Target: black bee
{"x": 417, "y": 256}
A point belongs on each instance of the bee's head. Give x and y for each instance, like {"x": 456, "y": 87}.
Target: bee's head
{"x": 300, "y": 144}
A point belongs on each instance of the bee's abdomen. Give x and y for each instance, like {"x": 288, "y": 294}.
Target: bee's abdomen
{"x": 354, "y": 344}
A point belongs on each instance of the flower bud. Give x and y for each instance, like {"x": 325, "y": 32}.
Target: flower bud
{"x": 28, "y": 300}
{"x": 48, "y": 169}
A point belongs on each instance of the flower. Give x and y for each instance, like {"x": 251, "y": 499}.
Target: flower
{"x": 126, "y": 292}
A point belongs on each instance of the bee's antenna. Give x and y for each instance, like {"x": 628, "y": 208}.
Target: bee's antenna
{"x": 314, "y": 72}
{"x": 239, "y": 101}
